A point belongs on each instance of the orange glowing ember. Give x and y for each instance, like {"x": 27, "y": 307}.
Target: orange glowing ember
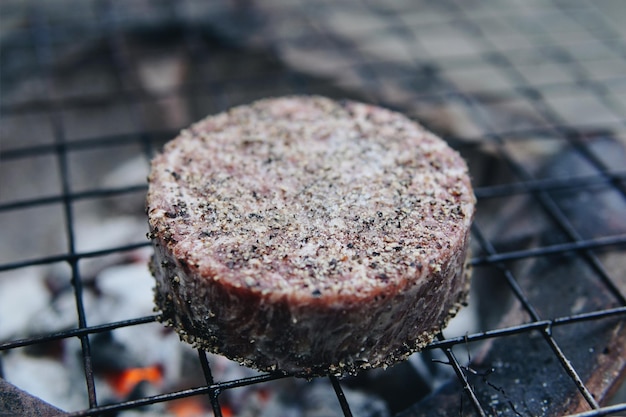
{"x": 187, "y": 407}
{"x": 125, "y": 381}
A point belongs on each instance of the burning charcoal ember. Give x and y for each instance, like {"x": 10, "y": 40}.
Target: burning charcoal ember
{"x": 110, "y": 355}
{"x": 135, "y": 383}
{"x": 195, "y": 406}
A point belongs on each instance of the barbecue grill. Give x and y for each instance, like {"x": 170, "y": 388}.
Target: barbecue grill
{"x": 532, "y": 94}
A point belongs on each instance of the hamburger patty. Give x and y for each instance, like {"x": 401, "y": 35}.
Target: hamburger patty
{"x": 309, "y": 236}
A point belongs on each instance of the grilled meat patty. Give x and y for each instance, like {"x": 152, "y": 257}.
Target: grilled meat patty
{"x": 309, "y": 236}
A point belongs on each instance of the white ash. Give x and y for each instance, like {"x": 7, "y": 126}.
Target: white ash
{"x": 313, "y": 399}
{"x": 130, "y": 172}
{"x": 96, "y": 233}
{"x": 15, "y": 312}
{"x": 57, "y": 380}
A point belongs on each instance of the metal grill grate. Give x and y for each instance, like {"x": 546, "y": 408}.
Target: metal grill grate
{"x": 533, "y": 94}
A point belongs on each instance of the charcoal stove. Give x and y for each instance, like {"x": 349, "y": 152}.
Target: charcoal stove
{"x": 533, "y": 94}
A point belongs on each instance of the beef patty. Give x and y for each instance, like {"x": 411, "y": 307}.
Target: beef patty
{"x": 309, "y": 236}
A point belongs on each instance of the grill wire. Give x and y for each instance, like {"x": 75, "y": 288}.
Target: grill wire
{"x": 247, "y": 50}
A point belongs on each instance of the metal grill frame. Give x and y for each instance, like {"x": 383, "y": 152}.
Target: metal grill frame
{"x": 39, "y": 35}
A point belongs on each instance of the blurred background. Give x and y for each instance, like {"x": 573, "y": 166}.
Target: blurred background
{"x": 531, "y": 93}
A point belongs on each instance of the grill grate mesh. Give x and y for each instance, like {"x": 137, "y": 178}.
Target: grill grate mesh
{"x": 494, "y": 78}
